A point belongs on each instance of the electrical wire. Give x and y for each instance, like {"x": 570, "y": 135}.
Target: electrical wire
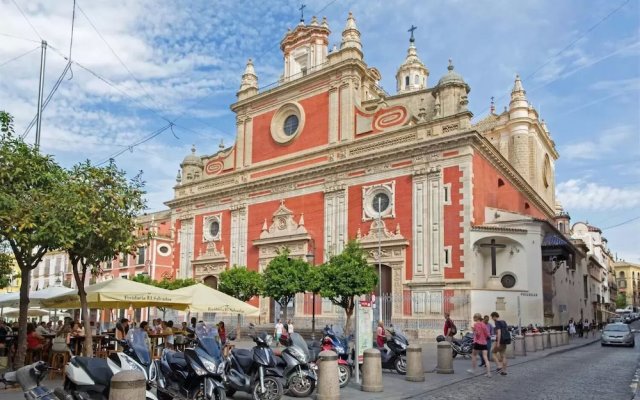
{"x": 73, "y": 22}
{"x": 18, "y": 57}
{"x": 27, "y": 19}
{"x": 622, "y": 223}
{"x": 18, "y": 37}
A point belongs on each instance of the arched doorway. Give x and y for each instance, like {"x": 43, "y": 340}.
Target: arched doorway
{"x": 386, "y": 300}
{"x": 211, "y": 281}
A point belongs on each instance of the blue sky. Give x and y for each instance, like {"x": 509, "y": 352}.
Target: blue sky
{"x": 164, "y": 60}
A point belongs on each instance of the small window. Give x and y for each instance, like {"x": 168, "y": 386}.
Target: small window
{"x": 446, "y": 194}
{"x": 446, "y": 256}
{"x": 406, "y": 82}
{"x": 526, "y": 206}
{"x": 124, "y": 260}
{"x": 164, "y": 250}
{"x": 500, "y": 182}
{"x": 141, "y": 255}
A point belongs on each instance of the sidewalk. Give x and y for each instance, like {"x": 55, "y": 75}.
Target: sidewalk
{"x": 396, "y": 387}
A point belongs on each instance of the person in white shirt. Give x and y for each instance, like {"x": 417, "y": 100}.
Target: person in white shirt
{"x": 290, "y": 327}
{"x": 278, "y": 332}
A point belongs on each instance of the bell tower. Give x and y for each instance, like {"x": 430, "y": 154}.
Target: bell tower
{"x": 305, "y": 48}
{"x": 412, "y": 74}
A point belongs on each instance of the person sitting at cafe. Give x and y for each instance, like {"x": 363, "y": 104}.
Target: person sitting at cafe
{"x": 167, "y": 330}
{"x": 122, "y": 328}
{"x": 222, "y": 332}
{"x": 42, "y": 329}
{"x": 35, "y": 341}
{"x": 184, "y": 326}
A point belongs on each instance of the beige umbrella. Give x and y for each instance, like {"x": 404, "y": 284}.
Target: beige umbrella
{"x": 206, "y": 299}
{"x": 32, "y": 312}
{"x": 122, "y": 293}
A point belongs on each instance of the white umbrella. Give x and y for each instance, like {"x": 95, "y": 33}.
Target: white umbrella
{"x": 32, "y": 312}
{"x": 36, "y": 297}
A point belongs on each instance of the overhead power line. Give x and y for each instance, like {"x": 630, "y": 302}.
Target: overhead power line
{"x": 622, "y": 223}
{"x": 18, "y": 37}
{"x": 19, "y": 57}
{"x": 27, "y": 19}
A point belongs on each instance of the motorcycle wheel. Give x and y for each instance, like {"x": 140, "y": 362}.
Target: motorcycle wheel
{"x": 344, "y": 375}
{"x": 218, "y": 394}
{"x": 401, "y": 365}
{"x": 273, "y": 389}
{"x": 301, "y": 386}
{"x": 454, "y": 353}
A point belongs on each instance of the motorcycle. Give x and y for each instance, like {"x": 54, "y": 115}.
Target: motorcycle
{"x": 335, "y": 340}
{"x": 90, "y": 378}
{"x": 299, "y": 375}
{"x": 394, "y": 355}
{"x": 29, "y": 378}
{"x": 195, "y": 374}
{"x": 254, "y": 371}
{"x": 464, "y": 347}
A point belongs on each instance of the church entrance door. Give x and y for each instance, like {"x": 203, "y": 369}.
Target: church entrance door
{"x": 386, "y": 301}
{"x": 211, "y": 281}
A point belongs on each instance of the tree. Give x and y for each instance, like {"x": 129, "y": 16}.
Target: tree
{"x": 621, "y": 300}
{"x": 165, "y": 283}
{"x": 345, "y": 276}
{"x": 100, "y": 207}
{"x": 6, "y": 269}
{"x": 30, "y": 221}
{"x": 240, "y": 283}
{"x": 283, "y": 278}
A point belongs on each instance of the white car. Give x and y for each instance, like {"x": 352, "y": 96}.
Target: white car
{"x": 618, "y": 334}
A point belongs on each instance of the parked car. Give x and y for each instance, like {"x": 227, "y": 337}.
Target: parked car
{"x": 618, "y": 334}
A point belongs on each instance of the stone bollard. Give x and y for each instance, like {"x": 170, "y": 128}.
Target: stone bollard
{"x": 565, "y": 338}
{"x": 546, "y": 340}
{"x": 553, "y": 337}
{"x": 372, "y": 371}
{"x": 537, "y": 340}
{"x": 529, "y": 343}
{"x": 510, "y": 350}
{"x": 128, "y": 385}
{"x": 328, "y": 387}
{"x": 445, "y": 359}
{"x": 415, "y": 369}
{"x": 519, "y": 348}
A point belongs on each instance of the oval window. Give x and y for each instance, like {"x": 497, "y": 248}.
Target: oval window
{"x": 164, "y": 249}
{"x": 291, "y": 125}
{"x": 380, "y": 202}
{"x": 214, "y": 228}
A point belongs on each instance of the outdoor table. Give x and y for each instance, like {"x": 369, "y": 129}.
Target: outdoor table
{"x": 155, "y": 338}
{"x": 80, "y": 340}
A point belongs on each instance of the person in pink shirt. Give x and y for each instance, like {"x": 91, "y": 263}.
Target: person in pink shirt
{"x": 480, "y": 337}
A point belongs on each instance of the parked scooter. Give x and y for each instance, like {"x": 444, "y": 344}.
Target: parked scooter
{"x": 29, "y": 378}
{"x": 394, "y": 355}
{"x": 463, "y": 346}
{"x": 254, "y": 371}
{"x": 90, "y": 378}
{"x": 299, "y": 375}
{"x": 195, "y": 374}
{"x": 335, "y": 340}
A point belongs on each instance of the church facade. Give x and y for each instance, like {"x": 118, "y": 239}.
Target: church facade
{"x": 459, "y": 214}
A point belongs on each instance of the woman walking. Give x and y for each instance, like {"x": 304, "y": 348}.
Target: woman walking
{"x": 480, "y": 337}
{"x": 490, "y": 339}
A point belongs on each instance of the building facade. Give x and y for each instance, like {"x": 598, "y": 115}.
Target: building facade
{"x": 628, "y": 278}
{"x": 462, "y": 212}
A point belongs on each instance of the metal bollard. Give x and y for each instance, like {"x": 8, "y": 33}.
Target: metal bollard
{"x": 546, "y": 340}
{"x": 553, "y": 337}
{"x": 328, "y": 387}
{"x": 537, "y": 340}
{"x": 415, "y": 369}
{"x": 128, "y": 385}
{"x": 519, "y": 348}
{"x": 371, "y": 371}
{"x": 510, "y": 350}
{"x": 445, "y": 358}
{"x": 529, "y": 343}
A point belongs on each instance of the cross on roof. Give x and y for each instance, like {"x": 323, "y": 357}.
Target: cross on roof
{"x": 413, "y": 28}
{"x": 302, "y": 7}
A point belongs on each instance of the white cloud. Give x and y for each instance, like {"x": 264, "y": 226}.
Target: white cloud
{"x": 582, "y": 195}
{"x": 607, "y": 142}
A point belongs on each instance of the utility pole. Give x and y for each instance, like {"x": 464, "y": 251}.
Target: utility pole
{"x": 43, "y": 57}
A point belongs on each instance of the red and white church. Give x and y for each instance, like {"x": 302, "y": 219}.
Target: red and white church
{"x": 463, "y": 211}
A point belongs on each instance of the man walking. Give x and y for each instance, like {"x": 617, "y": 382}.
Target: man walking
{"x": 278, "y": 332}
{"x": 503, "y": 338}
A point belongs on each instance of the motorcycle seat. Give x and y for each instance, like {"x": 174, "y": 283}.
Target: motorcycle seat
{"x": 96, "y": 368}
{"x": 176, "y": 359}
{"x": 244, "y": 357}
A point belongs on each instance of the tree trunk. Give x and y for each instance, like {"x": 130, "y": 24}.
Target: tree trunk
{"x": 349, "y": 312}
{"x": 238, "y": 327}
{"x": 284, "y": 315}
{"x": 23, "y": 319}
{"x": 88, "y": 336}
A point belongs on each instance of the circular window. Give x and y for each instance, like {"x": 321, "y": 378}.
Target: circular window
{"x": 164, "y": 250}
{"x": 508, "y": 281}
{"x": 380, "y": 202}
{"x": 291, "y": 125}
{"x": 214, "y": 228}
{"x": 287, "y": 123}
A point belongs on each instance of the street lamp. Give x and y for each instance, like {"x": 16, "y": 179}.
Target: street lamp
{"x": 311, "y": 260}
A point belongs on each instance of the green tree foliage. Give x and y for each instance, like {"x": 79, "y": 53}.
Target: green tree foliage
{"x": 30, "y": 221}
{"x": 283, "y": 278}
{"x": 173, "y": 284}
{"x": 6, "y": 263}
{"x": 621, "y": 300}
{"x": 240, "y": 283}
{"x": 345, "y": 276}
{"x": 100, "y": 208}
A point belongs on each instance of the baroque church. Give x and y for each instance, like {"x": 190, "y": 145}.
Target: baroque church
{"x": 460, "y": 215}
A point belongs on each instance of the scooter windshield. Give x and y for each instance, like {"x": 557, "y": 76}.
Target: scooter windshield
{"x": 298, "y": 341}
{"x": 400, "y": 336}
{"x": 208, "y": 339}
{"x": 137, "y": 340}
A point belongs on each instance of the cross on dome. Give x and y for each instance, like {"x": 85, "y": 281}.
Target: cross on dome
{"x": 302, "y": 7}
{"x": 413, "y": 28}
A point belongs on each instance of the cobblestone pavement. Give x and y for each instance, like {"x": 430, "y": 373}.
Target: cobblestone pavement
{"x": 591, "y": 372}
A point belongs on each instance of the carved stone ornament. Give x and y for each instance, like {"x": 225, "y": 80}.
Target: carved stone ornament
{"x": 213, "y": 260}
{"x": 283, "y": 224}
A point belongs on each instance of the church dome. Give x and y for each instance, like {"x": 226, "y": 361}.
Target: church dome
{"x": 451, "y": 77}
{"x": 192, "y": 159}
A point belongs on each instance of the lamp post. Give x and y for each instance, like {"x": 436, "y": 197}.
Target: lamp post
{"x": 379, "y": 261}
{"x": 311, "y": 260}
